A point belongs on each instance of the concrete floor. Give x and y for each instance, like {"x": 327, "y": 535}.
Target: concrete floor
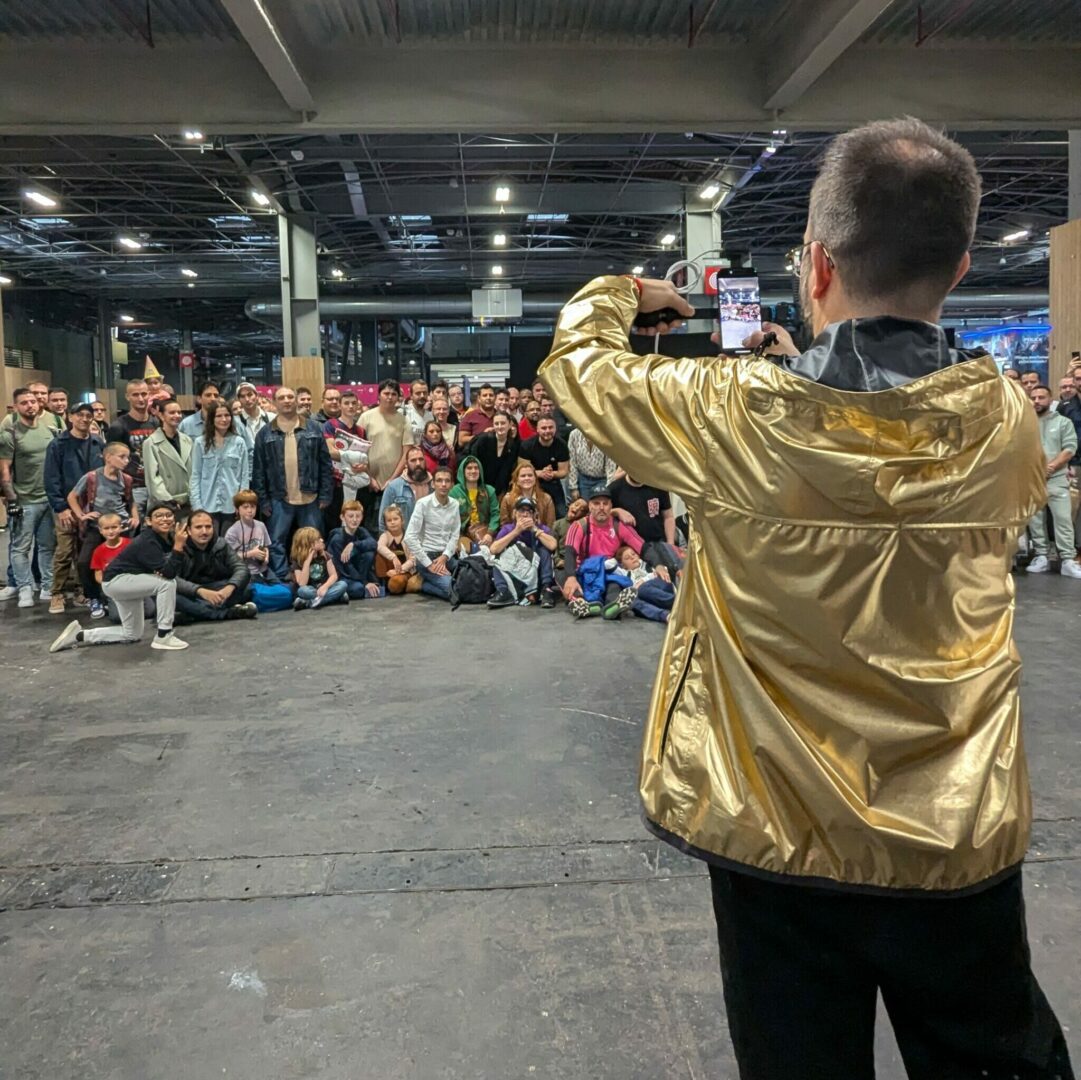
{"x": 370, "y": 854}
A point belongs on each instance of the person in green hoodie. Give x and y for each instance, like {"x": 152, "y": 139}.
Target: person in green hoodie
{"x": 477, "y": 502}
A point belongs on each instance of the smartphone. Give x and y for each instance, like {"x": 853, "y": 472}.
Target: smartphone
{"x": 739, "y": 307}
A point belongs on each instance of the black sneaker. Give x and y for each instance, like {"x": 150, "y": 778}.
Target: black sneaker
{"x": 299, "y": 604}
{"x": 242, "y": 611}
{"x": 502, "y": 599}
{"x": 548, "y": 598}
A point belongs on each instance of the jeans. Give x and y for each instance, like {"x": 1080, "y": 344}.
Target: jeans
{"x": 331, "y": 596}
{"x": 802, "y": 968}
{"x": 358, "y": 590}
{"x": 128, "y": 591}
{"x": 35, "y": 524}
{"x": 661, "y": 553}
{"x": 436, "y": 584}
{"x": 283, "y": 516}
{"x": 588, "y": 484}
{"x": 545, "y": 576}
{"x": 1058, "y": 502}
{"x": 141, "y": 497}
{"x": 196, "y": 609}
{"x": 655, "y": 599}
{"x": 555, "y": 489}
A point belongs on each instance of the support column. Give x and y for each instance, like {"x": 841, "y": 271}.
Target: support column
{"x": 702, "y": 231}
{"x": 1065, "y": 289}
{"x": 1074, "y": 202}
{"x": 187, "y": 375}
{"x": 300, "y": 285}
{"x": 367, "y": 366}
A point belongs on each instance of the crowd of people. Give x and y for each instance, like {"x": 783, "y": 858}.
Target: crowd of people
{"x": 252, "y": 505}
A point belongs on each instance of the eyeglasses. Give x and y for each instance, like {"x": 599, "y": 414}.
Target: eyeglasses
{"x": 794, "y": 259}
{"x": 163, "y": 515}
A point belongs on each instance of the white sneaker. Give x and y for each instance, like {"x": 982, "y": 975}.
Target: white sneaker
{"x": 8, "y": 592}
{"x": 67, "y": 638}
{"x": 45, "y": 596}
{"x": 170, "y": 643}
{"x": 1039, "y": 565}
{"x": 1070, "y": 568}
{"x": 26, "y": 596}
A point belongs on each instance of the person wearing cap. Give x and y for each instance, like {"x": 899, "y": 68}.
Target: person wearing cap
{"x": 252, "y": 414}
{"x": 523, "y": 560}
{"x": 70, "y": 456}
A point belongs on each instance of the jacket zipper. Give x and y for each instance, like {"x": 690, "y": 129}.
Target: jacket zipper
{"x": 678, "y": 694}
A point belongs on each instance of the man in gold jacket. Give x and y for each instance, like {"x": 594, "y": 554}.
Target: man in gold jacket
{"x": 835, "y": 726}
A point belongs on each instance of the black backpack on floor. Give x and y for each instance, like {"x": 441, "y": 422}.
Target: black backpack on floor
{"x": 471, "y": 582}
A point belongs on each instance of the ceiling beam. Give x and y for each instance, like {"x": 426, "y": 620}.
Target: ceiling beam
{"x": 812, "y": 40}
{"x": 267, "y": 41}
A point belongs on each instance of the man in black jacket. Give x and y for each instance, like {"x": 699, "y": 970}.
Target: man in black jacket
{"x": 212, "y": 582}
{"x": 147, "y": 567}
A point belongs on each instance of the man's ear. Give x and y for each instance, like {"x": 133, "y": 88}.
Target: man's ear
{"x": 962, "y": 269}
{"x": 822, "y": 271}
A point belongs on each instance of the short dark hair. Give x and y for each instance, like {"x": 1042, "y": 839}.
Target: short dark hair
{"x": 443, "y": 468}
{"x": 56, "y": 390}
{"x": 895, "y": 206}
{"x": 22, "y": 391}
{"x": 349, "y": 394}
{"x": 331, "y": 390}
{"x": 162, "y": 402}
{"x": 203, "y": 387}
{"x": 1041, "y": 386}
{"x": 486, "y": 386}
{"x": 390, "y": 384}
{"x": 302, "y": 390}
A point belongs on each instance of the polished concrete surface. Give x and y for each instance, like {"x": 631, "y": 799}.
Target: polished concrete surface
{"x": 346, "y": 844}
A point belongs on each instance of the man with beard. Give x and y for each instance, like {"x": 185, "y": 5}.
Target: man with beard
{"x": 330, "y": 407}
{"x": 1059, "y": 440}
{"x": 479, "y": 418}
{"x": 836, "y": 725}
{"x": 252, "y": 414}
{"x": 403, "y": 491}
{"x": 416, "y": 410}
{"x": 598, "y": 534}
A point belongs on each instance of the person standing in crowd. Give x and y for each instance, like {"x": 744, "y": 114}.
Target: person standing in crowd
{"x": 1030, "y": 380}
{"x": 314, "y": 573}
{"x": 58, "y": 408}
{"x": 648, "y": 510}
{"x": 394, "y": 562}
{"x": 1066, "y": 391}
{"x": 212, "y": 581}
{"x": 249, "y": 537}
{"x": 208, "y": 396}
{"x": 1012, "y": 374}
{"x": 352, "y": 549}
{"x": 101, "y": 418}
{"x": 512, "y": 404}
{"x": 291, "y": 475}
{"x": 167, "y": 460}
{"x": 416, "y": 410}
{"x": 497, "y": 451}
{"x": 437, "y": 451}
{"x": 853, "y": 773}
{"x": 69, "y": 457}
{"x": 330, "y": 407}
{"x": 441, "y": 413}
{"x": 404, "y": 491}
{"x": 133, "y": 428}
{"x": 1059, "y": 440}
{"x": 46, "y": 417}
{"x": 479, "y": 418}
{"x": 523, "y": 485}
{"x": 527, "y": 426}
{"x": 342, "y": 432}
{"x": 146, "y": 568}
{"x": 304, "y": 403}
{"x": 599, "y": 533}
{"x": 548, "y": 454}
{"x": 252, "y": 414}
{"x": 432, "y": 535}
{"x": 391, "y": 436}
{"x": 477, "y": 502}
{"x": 220, "y": 467}
{"x": 23, "y": 448}
{"x": 456, "y": 396}
{"x": 589, "y": 467}
{"x": 536, "y": 548}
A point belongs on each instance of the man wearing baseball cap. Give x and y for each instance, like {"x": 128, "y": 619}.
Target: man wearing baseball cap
{"x": 252, "y": 415}
{"x": 523, "y": 552}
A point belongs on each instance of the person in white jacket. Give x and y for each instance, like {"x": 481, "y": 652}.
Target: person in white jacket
{"x": 220, "y": 467}
{"x": 167, "y": 460}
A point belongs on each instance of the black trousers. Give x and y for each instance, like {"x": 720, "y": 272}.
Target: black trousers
{"x": 802, "y": 968}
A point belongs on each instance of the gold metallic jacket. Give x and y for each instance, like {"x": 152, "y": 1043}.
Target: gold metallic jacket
{"x": 837, "y": 698}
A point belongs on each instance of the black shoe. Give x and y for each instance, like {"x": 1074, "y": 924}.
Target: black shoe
{"x": 242, "y": 611}
{"x": 299, "y": 604}
{"x": 502, "y": 599}
{"x": 548, "y": 598}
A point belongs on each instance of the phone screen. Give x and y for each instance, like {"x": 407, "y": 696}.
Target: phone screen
{"x": 740, "y": 307}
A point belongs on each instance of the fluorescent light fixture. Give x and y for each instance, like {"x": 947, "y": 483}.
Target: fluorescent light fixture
{"x": 337, "y": 272}
{"x": 500, "y": 239}
{"x": 1019, "y": 235}
{"x": 41, "y": 198}
{"x": 191, "y": 284}
{"x": 127, "y": 318}
{"x": 709, "y": 191}
{"x": 638, "y": 269}
{"x": 769, "y": 150}
{"x": 668, "y": 239}
{"x": 497, "y": 271}
{"x": 780, "y": 131}
{"x": 4, "y": 279}
{"x": 128, "y": 242}
{"x": 193, "y": 135}
{"x": 502, "y": 193}
{"x": 259, "y": 197}
{"x": 188, "y": 272}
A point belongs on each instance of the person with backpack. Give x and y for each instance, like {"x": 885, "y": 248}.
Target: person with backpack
{"x": 432, "y": 535}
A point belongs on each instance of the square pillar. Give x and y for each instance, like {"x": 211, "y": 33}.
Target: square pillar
{"x": 300, "y": 285}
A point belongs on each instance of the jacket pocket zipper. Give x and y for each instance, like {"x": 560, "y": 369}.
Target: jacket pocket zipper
{"x": 678, "y": 694}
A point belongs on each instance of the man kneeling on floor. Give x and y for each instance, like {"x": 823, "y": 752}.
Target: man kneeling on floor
{"x": 522, "y": 569}
{"x": 147, "y": 567}
{"x": 212, "y": 583}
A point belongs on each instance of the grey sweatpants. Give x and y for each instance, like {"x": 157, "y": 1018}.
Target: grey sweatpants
{"x": 128, "y": 591}
{"x": 1058, "y": 502}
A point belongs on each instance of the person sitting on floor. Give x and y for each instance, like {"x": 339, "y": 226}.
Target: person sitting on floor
{"x": 437, "y": 451}
{"x": 523, "y": 552}
{"x": 393, "y": 562}
{"x": 656, "y": 593}
{"x": 432, "y": 535}
{"x": 352, "y": 549}
{"x": 477, "y": 503}
{"x": 523, "y": 485}
{"x": 404, "y": 491}
{"x": 317, "y": 581}
{"x": 250, "y": 539}
{"x": 575, "y": 512}
{"x": 213, "y": 582}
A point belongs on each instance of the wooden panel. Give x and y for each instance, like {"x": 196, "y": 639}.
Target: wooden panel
{"x": 107, "y": 395}
{"x": 186, "y": 402}
{"x": 304, "y": 371}
{"x": 13, "y": 378}
{"x": 1065, "y": 298}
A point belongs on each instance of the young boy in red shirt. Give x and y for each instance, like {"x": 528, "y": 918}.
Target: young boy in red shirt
{"x": 113, "y": 542}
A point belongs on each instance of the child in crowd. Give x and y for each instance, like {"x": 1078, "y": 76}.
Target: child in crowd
{"x": 393, "y": 561}
{"x": 352, "y": 549}
{"x": 249, "y": 538}
{"x": 316, "y": 578}
{"x": 656, "y": 593}
{"x": 113, "y": 542}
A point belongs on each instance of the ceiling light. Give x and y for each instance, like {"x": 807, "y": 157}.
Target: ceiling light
{"x": 1019, "y": 235}
{"x": 260, "y": 198}
{"x": 500, "y": 239}
{"x": 188, "y": 272}
{"x": 497, "y": 271}
{"x": 191, "y": 284}
{"x": 193, "y": 135}
{"x": 780, "y": 131}
{"x": 502, "y": 193}
{"x": 337, "y": 272}
{"x": 709, "y": 191}
{"x": 771, "y": 149}
{"x": 638, "y": 269}
{"x": 4, "y": 279}
{"x": 127, "y": 318}
{"x": 668, "y": 239}
{"x": 40, "y": 198}
{"x": 128, "y": 242}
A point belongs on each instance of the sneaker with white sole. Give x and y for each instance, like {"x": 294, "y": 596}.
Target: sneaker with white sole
{"x": 44, "y": 595}
{"x": 8, "y": 592}
{"x": 68, "y": 638}
{"x": 56, "y": 604}
{"x": 26, "y": 596}
{"x": 1070, "y": 568}
{"x": 1039, "y": 565}
{"x": 169, "y": 643}
{"x": 97, "y": 609}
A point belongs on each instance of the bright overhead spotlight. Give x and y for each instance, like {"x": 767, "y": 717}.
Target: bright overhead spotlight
{"x": 709, "y": 191}
{"x": 193, "y": 135}
{"x": 191, "y": 284}
{"x": 337, "y": 272}
{"x": 502, "y": 193}
{"x": 668, "y": 239}
{"x": 500, "y": 239}
{"x": 259, "y": 197}
{"x": 4, "y": 279}
{"x": 1019, "y": 235}
{"x": 638, "y": 269}
{"x": 188, "y": 272}
{"x": 127, "y": 318}
{"x": 769, "y": 150}
{"x": 497, "y": 271}
{"x": 128, "y": 242}
{"x": 41, "y": 198}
